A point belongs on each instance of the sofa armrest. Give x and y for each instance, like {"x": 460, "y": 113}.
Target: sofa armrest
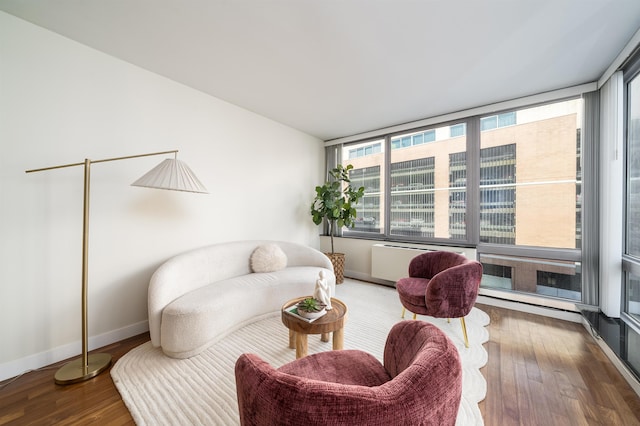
{"x": 162, "y": 290}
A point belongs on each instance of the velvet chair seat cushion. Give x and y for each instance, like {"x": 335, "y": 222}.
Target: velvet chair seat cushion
{"x": 352, "y": 367}
{"x": 412, "y": 292}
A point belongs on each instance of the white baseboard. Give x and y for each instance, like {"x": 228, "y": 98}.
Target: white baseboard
{"x": 33, "y": 362}
{"x": 532, "y": 309}
{"x": 366, "y": 277}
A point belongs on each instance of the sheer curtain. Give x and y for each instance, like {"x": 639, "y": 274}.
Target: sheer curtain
{"x": 611, "y": 194}
{"x": 590, "y": 199}
{"x": 333, "y": 157}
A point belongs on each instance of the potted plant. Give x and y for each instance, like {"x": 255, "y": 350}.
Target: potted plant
{"x": 311, "y": 308}
{"x": 335, "y": 201}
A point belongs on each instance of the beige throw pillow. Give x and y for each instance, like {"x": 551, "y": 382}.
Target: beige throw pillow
{"x": 268, "y": 258}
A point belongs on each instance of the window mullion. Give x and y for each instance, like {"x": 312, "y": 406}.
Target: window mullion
{"x": 473, "y": 181}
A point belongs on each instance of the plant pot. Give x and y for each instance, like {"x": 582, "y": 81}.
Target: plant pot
{"x": 316, "y": 310}
{"x": 311, "y": 315}
{"x": 337, "y": 260}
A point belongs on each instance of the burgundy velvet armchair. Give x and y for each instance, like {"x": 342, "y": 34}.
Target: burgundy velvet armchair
{"x": 420, "y": 383}
{"x": 441, "y": 284}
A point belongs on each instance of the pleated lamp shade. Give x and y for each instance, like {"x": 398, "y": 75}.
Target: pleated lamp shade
{"x": 171, "y": 174}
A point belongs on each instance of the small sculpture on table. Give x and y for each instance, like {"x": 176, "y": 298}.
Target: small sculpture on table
{"x": 322, "y": 291}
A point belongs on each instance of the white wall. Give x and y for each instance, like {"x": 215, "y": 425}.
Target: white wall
{"x": 61, "y": 102}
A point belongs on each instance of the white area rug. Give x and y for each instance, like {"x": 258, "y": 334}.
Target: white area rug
{"x": 201, "y": 390}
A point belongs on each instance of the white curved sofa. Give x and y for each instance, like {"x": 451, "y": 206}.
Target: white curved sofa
{"x": 198, "y": 296}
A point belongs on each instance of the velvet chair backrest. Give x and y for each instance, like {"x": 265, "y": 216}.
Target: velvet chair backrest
{"x": 427, "y": 265}
{"x": 426, "y": 388}
{"x": 410, "y": 342}
{"x": 451, "y": 293}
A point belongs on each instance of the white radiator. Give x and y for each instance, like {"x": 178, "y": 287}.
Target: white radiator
{"x": 391, "y": 262}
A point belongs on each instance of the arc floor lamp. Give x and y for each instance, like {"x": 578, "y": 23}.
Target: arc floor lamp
{"x": 171, "y": 174}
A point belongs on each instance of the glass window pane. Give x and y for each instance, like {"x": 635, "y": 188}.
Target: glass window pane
{"x": 368, "y": 172}
{"x": 457, "y": 130}
{"x": 633, "y": 296}
{"x": 507, "y": 119}
{"x": 497, "y": 194}
{"x": 530, "y": 178}
{"x": 632, "y": 342}
{"x": 547, "y": 277}
{"x": 488, "y": 123}
{"x": 633, "y": 169}
{"x": 430, "y": 136}
{"x": 428, "y": 187}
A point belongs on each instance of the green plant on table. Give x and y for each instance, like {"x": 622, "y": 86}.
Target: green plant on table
{"x": 311, "y": 305}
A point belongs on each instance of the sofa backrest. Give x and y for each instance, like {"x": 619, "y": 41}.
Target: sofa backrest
{"x": 191, "y": 270}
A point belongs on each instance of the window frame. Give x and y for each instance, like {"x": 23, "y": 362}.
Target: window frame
{"x": 630, "y": 263}
{"x": 472, "y": 126}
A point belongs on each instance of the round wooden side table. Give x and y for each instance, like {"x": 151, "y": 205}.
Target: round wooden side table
{"x": 331, "y": 322}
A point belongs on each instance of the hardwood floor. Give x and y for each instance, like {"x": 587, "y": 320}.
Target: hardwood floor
{"x": 540, "y": 371}
{"x": 543, "y": 371}
{"x": 34, "y": 398}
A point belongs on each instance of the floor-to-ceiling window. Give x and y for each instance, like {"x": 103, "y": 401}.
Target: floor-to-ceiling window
{"x": 508, "y": 183}
{"x": 530, "y": 200}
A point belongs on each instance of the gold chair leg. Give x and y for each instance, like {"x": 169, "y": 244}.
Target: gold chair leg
{"x": 404, "y": 310}
{"x": 449, "y": 320}
{"x": 464, "y": 332}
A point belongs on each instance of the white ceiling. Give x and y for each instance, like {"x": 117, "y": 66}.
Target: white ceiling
{"x": 334, "y": 68}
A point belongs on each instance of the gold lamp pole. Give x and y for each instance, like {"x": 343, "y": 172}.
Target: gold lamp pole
{"x": 171, "y": 174}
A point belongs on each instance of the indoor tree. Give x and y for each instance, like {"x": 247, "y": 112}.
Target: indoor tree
{"x": 335, "y": 201}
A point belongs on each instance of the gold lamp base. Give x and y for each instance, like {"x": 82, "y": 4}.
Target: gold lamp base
{"x": 75, "y": 371}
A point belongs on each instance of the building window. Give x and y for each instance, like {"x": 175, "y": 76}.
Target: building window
{"x": 496, "y": 121}
{"x": 457, "y": 130}
{"x": 406, "y": 141}
{"x": 361, "y": 151}
{"x": 507, "y": 119}
{"x": 489, "y": 123}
